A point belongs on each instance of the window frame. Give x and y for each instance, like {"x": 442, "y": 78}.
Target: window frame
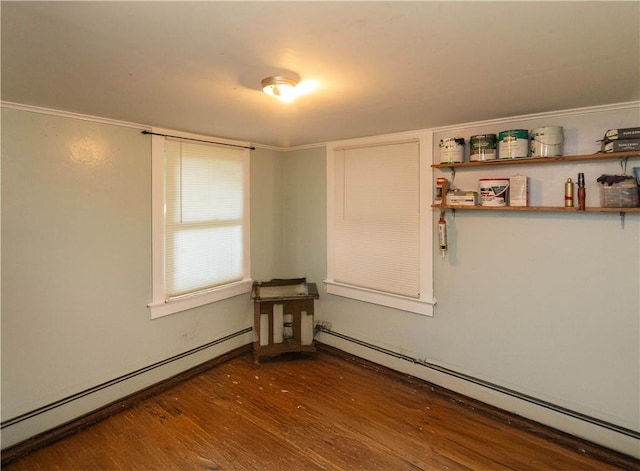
{"x": 423, "y": 304}
{"x": 160, "y": 306}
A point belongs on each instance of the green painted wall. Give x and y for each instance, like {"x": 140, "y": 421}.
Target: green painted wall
{"x": 76, "y": 267}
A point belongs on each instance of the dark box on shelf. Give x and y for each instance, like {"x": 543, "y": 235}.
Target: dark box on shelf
{"x": 623, "y": 133}
{"x": 621, "y": 145}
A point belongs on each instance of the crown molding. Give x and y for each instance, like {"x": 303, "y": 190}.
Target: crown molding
{"x": 546, "y": 115}
{"x": 70, "y": 114}
{"x": 551, "y": 114}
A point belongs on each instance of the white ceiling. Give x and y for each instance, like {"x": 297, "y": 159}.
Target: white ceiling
{"x": 381, "y": 67}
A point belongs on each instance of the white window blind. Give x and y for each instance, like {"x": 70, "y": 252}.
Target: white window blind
{"x": 376, "y": 238}
{"x": 204, "y": 216}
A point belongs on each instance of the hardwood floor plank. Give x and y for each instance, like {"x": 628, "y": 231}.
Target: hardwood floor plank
{"x": 327, "y": 413}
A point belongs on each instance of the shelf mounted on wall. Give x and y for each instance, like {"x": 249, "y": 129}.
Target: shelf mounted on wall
{"x": 623, "y": 156}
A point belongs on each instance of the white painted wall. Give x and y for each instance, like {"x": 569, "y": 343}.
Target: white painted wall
{"x": 546, "y": 304}
{"x": 76, "y": 268}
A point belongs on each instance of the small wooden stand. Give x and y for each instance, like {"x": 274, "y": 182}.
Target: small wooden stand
{"x": 295, "y": 334}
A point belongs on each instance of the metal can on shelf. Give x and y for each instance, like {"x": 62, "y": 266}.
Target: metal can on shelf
{"x": 482, "y": 147}
{"x": 513, "y": 144}
{"x": 451, "y": 150}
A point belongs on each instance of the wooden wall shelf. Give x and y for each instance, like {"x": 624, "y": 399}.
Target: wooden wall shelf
{"x": 561, "y": 209}
{"x": 540, "y": 160}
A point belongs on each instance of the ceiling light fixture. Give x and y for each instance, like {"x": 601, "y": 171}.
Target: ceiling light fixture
{"x": 283, "y": 88}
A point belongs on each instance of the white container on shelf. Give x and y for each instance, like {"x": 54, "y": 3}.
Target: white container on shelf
{"x": 451, "y": 150}
{"x": 546, "y": 141}
{"x": 494, "y": 191}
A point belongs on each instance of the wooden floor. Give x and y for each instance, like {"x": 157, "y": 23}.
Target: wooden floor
{"x": 331, "y": 413}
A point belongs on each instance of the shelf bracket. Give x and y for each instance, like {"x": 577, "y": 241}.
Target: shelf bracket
{"x": 453, "y": 174}
{"x": 623, "y": 164}
{"x": 622, "y": 215}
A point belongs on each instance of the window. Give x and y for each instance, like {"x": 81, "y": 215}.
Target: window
{"x": 200, "y": 222}
{"x": 379, "y": 221}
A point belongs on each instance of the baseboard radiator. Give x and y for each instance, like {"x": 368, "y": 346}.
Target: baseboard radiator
{"x": 483, "y": 383}
{"x": 15, "y": 451}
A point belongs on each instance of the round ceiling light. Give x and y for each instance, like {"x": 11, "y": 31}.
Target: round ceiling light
{"x": 283, "y": 88}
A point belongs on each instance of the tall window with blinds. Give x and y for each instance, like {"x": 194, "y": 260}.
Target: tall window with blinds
{"x": 204, "y": 238}
{"x": 377, "y": 232}
{"x": 204, "y": 216}
{"x": 376, "y": 250}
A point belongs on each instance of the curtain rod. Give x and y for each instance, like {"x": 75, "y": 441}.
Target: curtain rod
{"x": 199, "y": 140}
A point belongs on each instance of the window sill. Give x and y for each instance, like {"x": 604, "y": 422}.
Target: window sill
{"x": 418, "y": 306}
{"x": 164, "y": 308}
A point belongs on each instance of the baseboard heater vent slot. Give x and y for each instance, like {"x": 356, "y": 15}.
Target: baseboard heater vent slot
{"x": 486, "y": 384}
{"x": 107, "y": 384}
